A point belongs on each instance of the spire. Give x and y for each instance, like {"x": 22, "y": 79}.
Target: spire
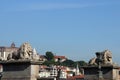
{"x": 77, "y": 70}
{"x": 34, "y": 51}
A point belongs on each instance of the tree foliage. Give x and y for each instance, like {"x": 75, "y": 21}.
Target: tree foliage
{"x": 48, "y": 63}
{"x": 70, "y": 63}
{"x": 49, "y": 55}
{"x": 81, "y": 63}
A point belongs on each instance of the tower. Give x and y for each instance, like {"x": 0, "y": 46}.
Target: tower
{"x": 77, "y": 70}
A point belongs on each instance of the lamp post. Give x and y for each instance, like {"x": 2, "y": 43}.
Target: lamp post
{"x": 99, "y": 62}
{"x": 1, "y": 71}
{"x": 58, "y": 70}
{"x": 0, "y": 75}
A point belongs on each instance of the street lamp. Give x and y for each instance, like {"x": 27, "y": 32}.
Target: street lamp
{"x": 99, "y": 62}
{"x": 1, "y": 71}
{"x": 0, "y": 75}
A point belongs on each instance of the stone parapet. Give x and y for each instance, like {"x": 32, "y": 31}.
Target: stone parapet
{"x": 110, "y": 72}
{"x": 20, "y": 69}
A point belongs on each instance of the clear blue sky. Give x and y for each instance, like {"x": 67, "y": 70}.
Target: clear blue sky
{"x": 74, "y": 28}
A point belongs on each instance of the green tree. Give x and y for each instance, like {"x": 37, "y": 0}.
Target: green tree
{"x": 81, "y": 63}
{"x": 68, "y": 62}
{"x": 49, "y": 63}
{"x": 49, "y": 55}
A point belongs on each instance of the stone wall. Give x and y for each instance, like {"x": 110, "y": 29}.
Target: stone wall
{"x": 116, "y": 75}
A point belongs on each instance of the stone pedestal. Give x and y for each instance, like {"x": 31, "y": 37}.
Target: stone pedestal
{"x": 20, "y": 70}
{"x": 109, "y": 72}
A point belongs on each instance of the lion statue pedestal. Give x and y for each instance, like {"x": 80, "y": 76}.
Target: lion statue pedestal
{"x": 108, "y": 68}
{"x": 20, "y": 70}
{"x": 21, "y": 65}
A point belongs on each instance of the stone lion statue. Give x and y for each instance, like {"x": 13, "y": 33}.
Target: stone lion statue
{"x": 106, "y": 58}
{"x": 24, "y": 52}
{"x": 93, "y": 61}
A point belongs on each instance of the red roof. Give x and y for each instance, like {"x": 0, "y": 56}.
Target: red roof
{"x": 61, "y": 57}
{"x": 75, "y": 77}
